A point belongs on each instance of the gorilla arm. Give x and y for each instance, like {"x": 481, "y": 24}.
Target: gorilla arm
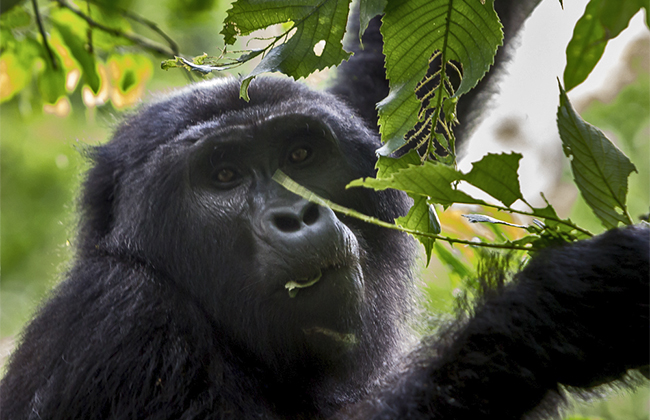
{"x": 576, "y": 315}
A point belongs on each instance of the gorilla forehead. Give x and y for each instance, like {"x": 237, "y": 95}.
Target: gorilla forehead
{"x": 218, "y": 101}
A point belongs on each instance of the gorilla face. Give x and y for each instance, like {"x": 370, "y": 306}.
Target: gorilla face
{"x": 284, "y": 277}
{"x": 289, "y": 258}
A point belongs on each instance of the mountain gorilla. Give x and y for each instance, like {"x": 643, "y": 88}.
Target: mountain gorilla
{"x": 202, "y": 289}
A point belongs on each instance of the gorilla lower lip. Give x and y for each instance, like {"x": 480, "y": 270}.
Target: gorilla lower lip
{"x": 293, "y": 285}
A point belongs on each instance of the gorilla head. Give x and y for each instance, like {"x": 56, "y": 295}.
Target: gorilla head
{"x": 189, "y": 184}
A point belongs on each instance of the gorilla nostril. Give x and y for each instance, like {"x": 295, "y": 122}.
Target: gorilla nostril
{"x": 311, "y": 215}
{"x": 286, "y": 223}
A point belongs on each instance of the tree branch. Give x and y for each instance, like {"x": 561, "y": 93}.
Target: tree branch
{"x": 140, "y": 41}
{"x": 146, "y": 22}
{"x": 46, "y": 44}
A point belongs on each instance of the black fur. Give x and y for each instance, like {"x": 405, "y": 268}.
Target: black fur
{"x": 176, "y": 308}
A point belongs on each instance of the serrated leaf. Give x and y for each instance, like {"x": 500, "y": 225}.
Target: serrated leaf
{"x": 422, "y": 217}
{"x": 387, "y": 166}
{"x": 545, "y": 212}
{"x": 525, "y": 241}
{"x": 601, "y": 21}
{"x": 314, "y": 21}
{"x": 462, "y": 30}
{"x": 599, "y": 168}
{"x": 432, "y": 180}
{"x": 497, "y": 176}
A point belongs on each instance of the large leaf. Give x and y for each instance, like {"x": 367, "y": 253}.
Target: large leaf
{"x": 465, "y": 31}
{"x": 422, "y": 217}
{"x": 387, "y": 166}
{"x": 602, "y": 21}
{"x": 314, "y": 22}
{"x": 599, "y": 168}
{"x": 434, "y": 180}
{"x": 494, "y": 174}
{"x": 497, "y": 176}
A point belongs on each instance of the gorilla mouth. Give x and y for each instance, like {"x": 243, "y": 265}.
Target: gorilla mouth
{"x": 293, "y": 286}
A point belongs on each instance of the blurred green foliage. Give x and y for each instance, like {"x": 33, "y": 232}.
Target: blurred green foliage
{"x": 40, "y": 170}
{"x": 41, "y": 152}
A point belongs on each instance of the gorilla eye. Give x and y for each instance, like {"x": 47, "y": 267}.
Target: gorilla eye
{"x": 299, "y": 155}
{"x": 225, "y": 175}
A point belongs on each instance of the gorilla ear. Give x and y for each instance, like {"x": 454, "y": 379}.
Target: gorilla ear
{"x": 98, "y": 196}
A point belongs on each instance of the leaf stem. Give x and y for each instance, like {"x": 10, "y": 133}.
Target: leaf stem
{"x": 282, "y": 179}
{"x": 89, "y": 31}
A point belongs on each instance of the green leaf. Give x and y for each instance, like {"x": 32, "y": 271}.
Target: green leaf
{"x": 599, "y": 168}
{"x": 497, "y": 176}
{"x": 422, "y": 217}
{"x": 51, "y": 81}
{"x": 16, "y": 18}
{"x": 77, "y": 47}
{"x": 133, "y": 71}
{"x": 387, "y": 166}
{"x": 434, "y": 180}
{"x": 19, "y": 63}
{"x": 465, "y": 31}
{"x": 315, "y": 22}
{"x": 602, "y": 21}
{"x": 368, "y": 9}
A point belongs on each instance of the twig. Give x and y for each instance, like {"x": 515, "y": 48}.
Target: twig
{"x": 89, "y": 32}
{"x": 136, "y": 39}
{"x": 281, "y": 178}
{"x": 525, "y": 213}
{"x": 46, "y": 44}
{"x": 146, "y": 22}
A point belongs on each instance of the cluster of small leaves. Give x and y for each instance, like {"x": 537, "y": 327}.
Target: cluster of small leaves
{"x": 312, "y": 42}
{"x": 48, "y": 44}
{"x": 435, "y": 52}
